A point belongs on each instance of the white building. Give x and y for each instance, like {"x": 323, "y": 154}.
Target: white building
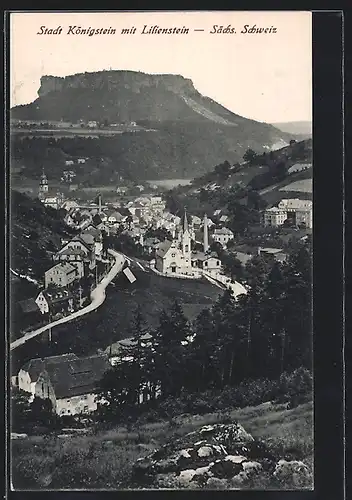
{"x": 274, "y": 217}
{"x": 223, "y": 236}
{"x": 297, "y": 211}
{"x": 62, "y": 275}
{"x": 69, "y": 382}
{"x": 174, "y": 257}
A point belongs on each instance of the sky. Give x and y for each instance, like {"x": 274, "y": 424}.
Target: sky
{"x": 266, "y": 77}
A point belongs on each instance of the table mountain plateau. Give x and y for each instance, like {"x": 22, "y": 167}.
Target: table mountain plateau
{"x": 179, "y": 131}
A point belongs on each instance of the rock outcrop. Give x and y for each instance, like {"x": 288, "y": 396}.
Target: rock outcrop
{"x": 220, "y": 456}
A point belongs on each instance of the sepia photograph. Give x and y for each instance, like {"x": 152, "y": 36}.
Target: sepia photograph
{"x": 160, "y": 250}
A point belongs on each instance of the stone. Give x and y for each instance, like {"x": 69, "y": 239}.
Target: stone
{"x": 225, "y": 469}
{"x": 250, "y": 467}
{"x": 235, "y": 459}
{"x": 186, "y": 476}
{"x": 216, "y": 483}
{"x": 293, "y": 473}
{"x": 185, "y": 454}
{"x": 205, "y": 451}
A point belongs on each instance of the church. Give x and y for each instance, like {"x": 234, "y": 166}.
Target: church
{"x": 176, "y": 256}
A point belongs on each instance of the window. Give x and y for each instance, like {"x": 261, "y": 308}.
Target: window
{"x": 186, "y": 248}
{"x": 85, "y": 408}
{"x": 217, "y": 263}
{"x": 173, "y": 255}
{"x": 205, "y": 263}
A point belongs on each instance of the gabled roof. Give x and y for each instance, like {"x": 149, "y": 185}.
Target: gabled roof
{"x": 76, "y": 376}
{"x": 223, "y": 230}
{"x": 163, "y": 248}
{"x": 28, "y": 305}
{"x": 118, "y": 347}
{"x": 71, "y": 251}
{"x": 65, "y": 267}
{"x": 35, "y": 366}
{"x": 54, "y": 296}
{"x": 87, "y": 237}
{"x": 77, "y": 238}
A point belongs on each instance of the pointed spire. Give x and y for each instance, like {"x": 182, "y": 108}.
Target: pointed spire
{"x": 185, "y": 222}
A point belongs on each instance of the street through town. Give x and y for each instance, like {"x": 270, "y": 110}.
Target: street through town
{"x": 97, "y": 298}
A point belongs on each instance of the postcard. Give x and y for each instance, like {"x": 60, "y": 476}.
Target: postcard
{"x": 161, "y": 218}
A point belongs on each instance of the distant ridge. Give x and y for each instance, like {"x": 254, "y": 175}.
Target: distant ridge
{"x": 297, "y": 128}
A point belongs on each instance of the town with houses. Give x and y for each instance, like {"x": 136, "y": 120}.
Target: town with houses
{"x": 70, "y": 382}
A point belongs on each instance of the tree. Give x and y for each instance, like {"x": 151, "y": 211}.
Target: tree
{"x": 20, "y": 409}
{"x": 249, "y": 155}
{"x": 170, "y": 346}
{"x": 232, "y": 266}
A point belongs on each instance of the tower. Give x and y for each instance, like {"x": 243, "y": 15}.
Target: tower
{"x": 205, "y": 234}
{"x": 43, "y": 185}
{"x": 186, "y": 240}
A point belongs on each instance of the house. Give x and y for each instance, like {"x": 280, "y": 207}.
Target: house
{"x": 92, "y": 124}
{"x": 207, "y": 262}
{"x": 223, "y": 236}
{"x": 92, "y": 236}
{"x": 70, "y": 383}
{"x": 53, "y": 202}
{"x": 62, "y": 275}
{"x": 298, "y": 212}
{"x": 114, "y": 217}
{"x": 30, "y": 371}
{"x": 274, "y": 216}
{"x": 74, "y": 256}
{"x": 86, "y": 249}
{"x": 121, "y": 190}
{"x": 68, "y": 205}
{"x": 115, "y": 351}
{"x": 52, "y": 301}
{"x": 81, "y": 160}
{"x": 277, "y": 253}
{"x": 69, "y": 162}
{"x": 224, "y": 218}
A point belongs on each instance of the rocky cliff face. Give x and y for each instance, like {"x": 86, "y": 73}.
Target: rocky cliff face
{"x": 114, "y": 80}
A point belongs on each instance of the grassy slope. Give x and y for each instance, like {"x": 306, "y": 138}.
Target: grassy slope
{"x": 105, "y": 460}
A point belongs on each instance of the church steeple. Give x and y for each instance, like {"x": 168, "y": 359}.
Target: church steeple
{"x": 186, "y": 240}
{"x": 43, "y": 186}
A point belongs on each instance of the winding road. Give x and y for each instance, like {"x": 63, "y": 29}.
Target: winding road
{"x": 97, "y": 298}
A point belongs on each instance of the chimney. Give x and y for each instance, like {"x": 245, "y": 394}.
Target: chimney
{"x": 185, "y": 222}
{"x": 205, "y": 234}
{"x": 99, "y": 204}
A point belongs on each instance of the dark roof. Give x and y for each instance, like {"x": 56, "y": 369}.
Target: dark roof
{"x": 53, "y": 296}
{"x": 73, "y": 377}
{"x": 163, "y": 248}
{"x": 78, "y": 238}
{"x": 35, "y": 366}
{"x": 28, "y": 305}
{"x": 71, "y": 251}
{"x": 117, "y": 347}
